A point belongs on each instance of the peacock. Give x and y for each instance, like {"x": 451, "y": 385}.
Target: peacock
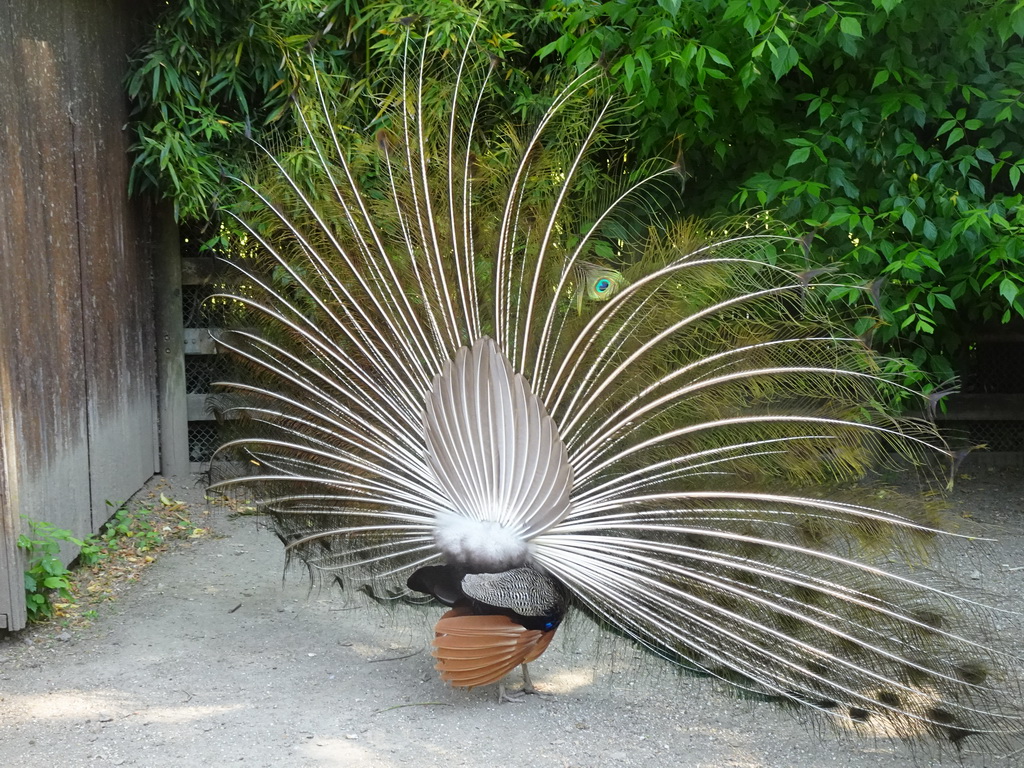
{"x": 491, "y": 367}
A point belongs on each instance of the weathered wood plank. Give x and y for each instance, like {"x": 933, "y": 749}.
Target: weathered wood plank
{"x": 198, "y": 408}
{"x": 76, "y": 383}
{"x": 44, "y": 418}
{"x": 12, "y": 591}
{"x": 117, "y": 293}
{"x": 174, "y": 458}
{"x": 41, "y": 294}
{"x": 199, "y": 341}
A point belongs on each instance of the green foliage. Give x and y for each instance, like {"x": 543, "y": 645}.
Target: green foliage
{"x": 211, "y": 72}
{"x": 128, "y": 531}
{"x": 217, "y": 74}
{"x": 892, "y": 127}
{"x": 134, "y": 529}
{"x": 45, "y": 573}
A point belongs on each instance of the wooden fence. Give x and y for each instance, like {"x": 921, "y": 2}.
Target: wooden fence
{"x": 78, "y": 388}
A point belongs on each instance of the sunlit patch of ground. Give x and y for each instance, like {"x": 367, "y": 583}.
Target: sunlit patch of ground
{"x": 80, "y": 706}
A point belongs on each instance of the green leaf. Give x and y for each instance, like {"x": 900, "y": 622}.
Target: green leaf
{"x": 559, "y": 46}
{"x": 751, "y": 23}
{"x": 718, "y": 57}
{"x": 850, "y": 25}
{"x": 628, "y": 65}
{"x": 1008, "y": 290}
{"x": 798, "y": 156}
{"x": 1017, "y": 20}
{"x": 882, "y": 76}
{"x": 909, "y": 220}
{"x": 784, "y": 59}
{"x": 735, "y": 9}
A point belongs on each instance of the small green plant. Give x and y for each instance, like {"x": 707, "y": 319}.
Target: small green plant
{"x": 131, "y": 529}
{"x": 90, "y": 551}
{"x": 126, "y": 541}
{"x": 46, "y": 575}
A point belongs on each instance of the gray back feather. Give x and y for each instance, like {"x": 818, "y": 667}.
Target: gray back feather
{"x": 526, "y": 591}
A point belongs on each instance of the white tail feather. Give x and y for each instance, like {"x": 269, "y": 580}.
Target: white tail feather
{"x": 496, "y": 453}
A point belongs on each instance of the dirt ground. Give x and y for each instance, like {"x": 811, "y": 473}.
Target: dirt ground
{"x": 212, "y": 660}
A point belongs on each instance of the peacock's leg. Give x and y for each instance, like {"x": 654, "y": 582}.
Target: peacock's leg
{"x": 527, "y": 682}
{"x": 527, "y": 689}
{"x": 516, "y": 697}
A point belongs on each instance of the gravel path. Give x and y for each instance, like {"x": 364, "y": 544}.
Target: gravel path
{"x": 211, "y": 661}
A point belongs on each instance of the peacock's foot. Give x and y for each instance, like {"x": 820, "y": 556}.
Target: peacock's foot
{"x": 516, "y": 697}
{"x": 512, "y": 697}
{"x": 538, "y": 694}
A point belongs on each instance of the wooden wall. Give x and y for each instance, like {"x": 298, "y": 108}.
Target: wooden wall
{"x": 77, "y": 347}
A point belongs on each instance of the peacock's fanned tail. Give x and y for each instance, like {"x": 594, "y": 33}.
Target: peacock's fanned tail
{"x": 446, "y": 323}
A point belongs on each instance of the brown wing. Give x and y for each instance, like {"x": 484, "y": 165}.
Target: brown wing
{"x": 476, "y": 650}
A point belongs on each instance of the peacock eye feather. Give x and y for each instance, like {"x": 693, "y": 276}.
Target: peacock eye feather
{"x": 594, "y": 283}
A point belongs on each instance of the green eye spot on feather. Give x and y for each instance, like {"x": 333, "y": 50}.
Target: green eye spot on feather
{"x": 595, "y": 283}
